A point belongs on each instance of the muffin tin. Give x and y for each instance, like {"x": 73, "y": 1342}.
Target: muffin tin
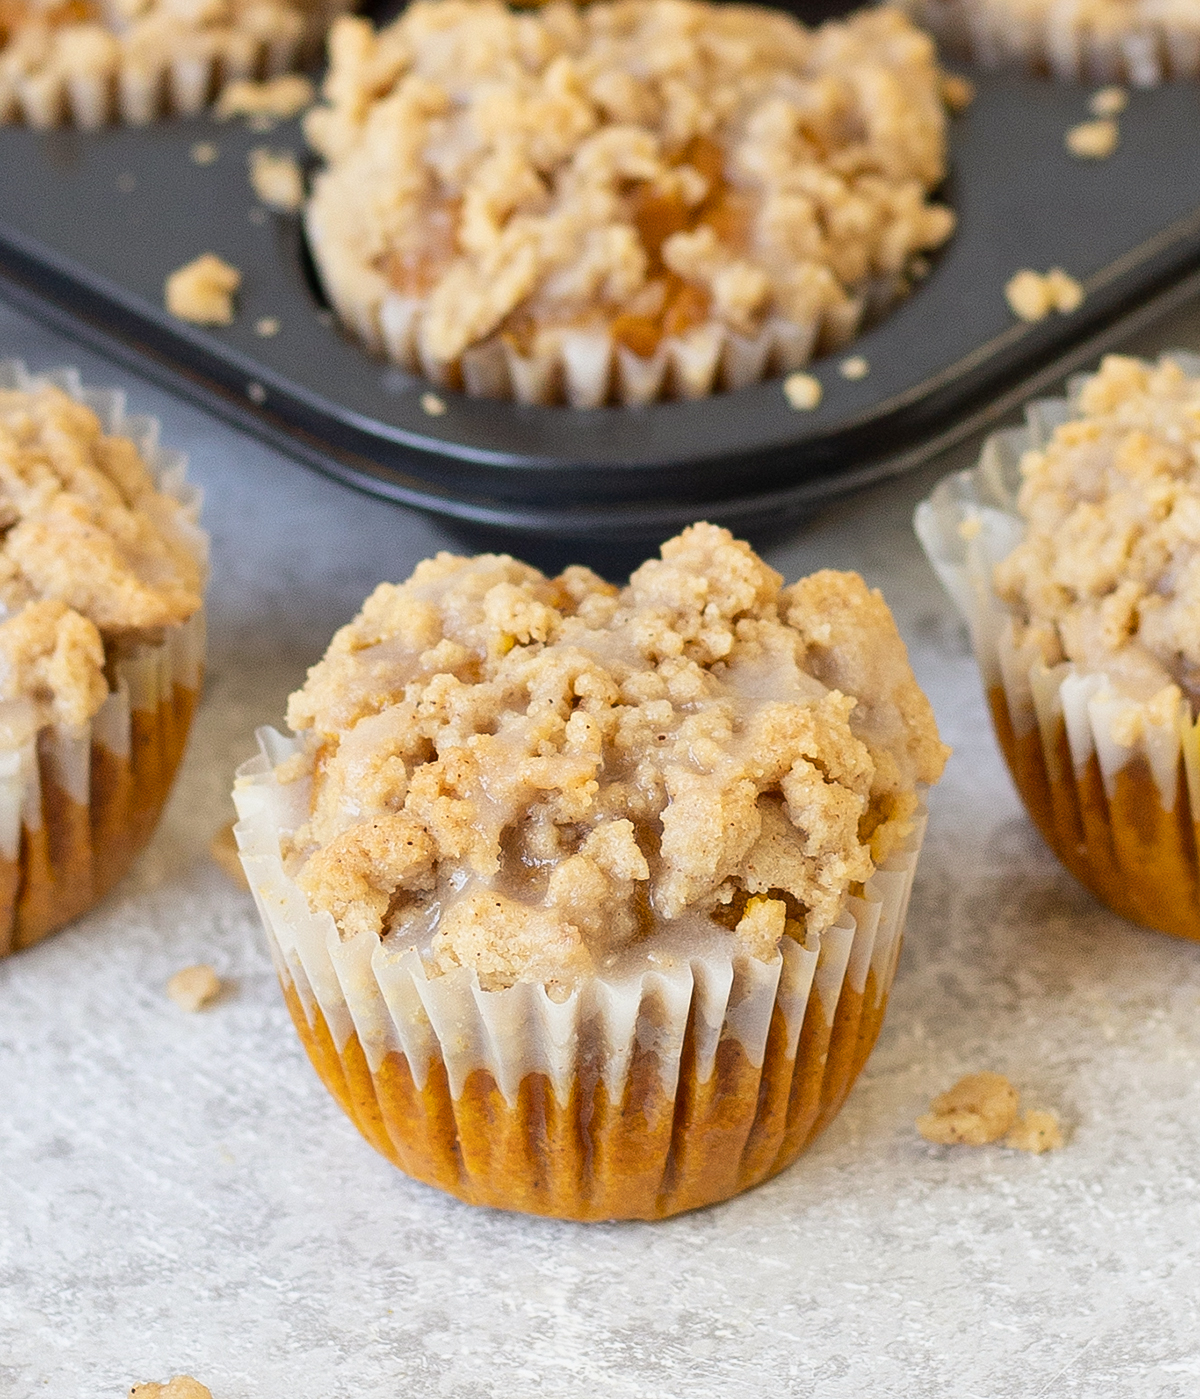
{"x": 91, "y": 223}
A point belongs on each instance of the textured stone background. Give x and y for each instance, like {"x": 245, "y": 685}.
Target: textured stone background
{"x": 177, "y": 1193}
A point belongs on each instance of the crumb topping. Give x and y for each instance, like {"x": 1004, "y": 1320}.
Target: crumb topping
{"x": 982, "y": 1108}
{"x": 90, "y": 552}
{"x": 645, "y": 165}
{"x": 529, "y": 776}
{"x": 1108, "y": 574}
{"x": 202, "y": 291}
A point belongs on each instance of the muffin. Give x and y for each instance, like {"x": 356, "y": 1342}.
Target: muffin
{"x": 134, "y": 60}
{"x": 587, "y": 902}
{"x": 1141, "y": 42}
{"x": 625, "y": 201}
{"x": 1072, "y": 551}
{"x": 101, "y": 644}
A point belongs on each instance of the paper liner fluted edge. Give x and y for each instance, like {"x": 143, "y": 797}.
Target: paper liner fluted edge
{"x": 370, "y": 1000}
{"x": 1066, "y": 731}
{"x": 150, "y": 681}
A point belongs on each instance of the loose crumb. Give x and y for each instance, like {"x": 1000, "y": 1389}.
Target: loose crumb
{"x": 204, "y": 153}
{"x": 266, "y": 326}
{"x": 1093, "y": 140}
{"x": 1036, "y": 1132}
{"x": 277, "y": 179}
{"x": 181, "y": 1387}
{"x": 957, "y": 92}
{"x": 1108, "y": 102}
{"x": 854, "y": 368}
{"x": 979, "y": 1109}
{"x": 802, "y": 391}
{"x": 192, "y": 989}
{"x": 202, "y": 291}
{"x": 1033, "y": 295}
{"x": 224, "y": 850}
{"x": 276, "y": 99}
{"x": 432, "y": 404}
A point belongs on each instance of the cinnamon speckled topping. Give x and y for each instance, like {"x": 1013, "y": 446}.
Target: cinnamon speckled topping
{"x": 529, "y": 776}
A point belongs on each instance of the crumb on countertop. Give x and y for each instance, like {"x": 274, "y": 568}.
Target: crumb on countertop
{"x": 193, "y": 988}
{"x": 1033, "y": 295}
{"x": 181, "y": 1387}
{"x": 1093, "y": 140}
{"x": 802, "y": 391}
{"x": 277, "y": 179}
{"x": 224, "y": 850}
{"x": 202, "y": 291}
{"x": 1108, "y": 102}
{"x": 982, "y": 1108}
{"x": 277, "y": 98}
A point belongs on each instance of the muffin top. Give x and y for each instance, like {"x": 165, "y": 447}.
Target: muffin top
{"x": 651, "y": 164}
{"x": 91, "y": 553}
{"x": 1108, "y": 574}
{"x": 537, "y": 778}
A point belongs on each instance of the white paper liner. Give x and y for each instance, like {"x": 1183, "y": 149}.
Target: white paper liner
{"x": 1141, "y": 44}
{"x": 362, "y": 988}
{"x": 586, "y": 368}
{"x": 92, "y": 76}
{"x": 971, "y": 522}
{"x": 145, "y": 677}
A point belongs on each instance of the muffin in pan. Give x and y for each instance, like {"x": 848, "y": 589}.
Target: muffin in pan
{"x": 622, "y": 202}
{"x": 102, "y": 569}
{"x": 1073, "y": 551}
{"x": 94, "y": 61}
{"x": 587, "y": 902}
{"x": 1100, "y": 41}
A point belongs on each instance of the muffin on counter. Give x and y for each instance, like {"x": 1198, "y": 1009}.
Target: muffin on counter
{"x": 624, "y": 201}
{"x": 1074, "y": 552}
{"x": 94, "y": 61}
{"x": 586, "y": 902}
{"x": 102, "y": 570}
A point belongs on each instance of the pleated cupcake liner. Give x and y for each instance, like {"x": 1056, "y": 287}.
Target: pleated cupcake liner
{"x": 91, "y": 77}
{"x": 1113, "y": 784}
{"x": 586, "y": 366}
{"x": 77, "y": 805}
{"x": 636, "y": 1096}
{"x": 1071, "y": 40}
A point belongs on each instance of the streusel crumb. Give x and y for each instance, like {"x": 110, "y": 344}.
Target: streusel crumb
{"x": 202, "y": 291}
{"x": 1093, "y": 140}
{"x": 1036, "y": 1132}
{"x": 90, "y": 552}
{"x": 181, "y": 1387}
{"x": 1033, "y": 295}
{"x": 1108, "y": 573}
{"x": 529, "y": 775}
{"x": 277, "y": 179}
{"x": 193, "y": 988}
{"x": 979, "y": 1109}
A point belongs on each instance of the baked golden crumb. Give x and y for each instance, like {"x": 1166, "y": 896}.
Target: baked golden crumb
{"x": 854, "y": 368}
{"x": 193, "y": 988}
{"x": 1032, "y": 296}
{"x": 1108, "y": 102}
{"x": 202, "y": 291}
{"x": 802, "y": 391}
{"x": 277, "y": 179}
{"x": 1093, "y": 140}
{"x": 181, "y": 1387}
{"x": 532, "y": 775}
{"x": 625, "y": 200}
{"x": 1106, "y": 575}
{"x": 276, "y": 99}
{"x": 982, "y": 1108}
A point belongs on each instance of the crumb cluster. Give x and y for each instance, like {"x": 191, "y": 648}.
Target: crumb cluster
{"x": 1031, "y": 296}
{"x": 528, "y": 775}
{"x": 982, "y": 1108}
{"x": 1108, "y": 574}
{"x": 202, "y": 291}
{"x": 91, "y": 553}
{"x": 645, "y": 166}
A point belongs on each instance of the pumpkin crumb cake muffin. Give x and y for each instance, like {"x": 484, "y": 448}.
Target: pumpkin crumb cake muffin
{"x": 624, "y": 201}
{"x": 93, "y": 61}
{"x": 586, "y": 902}
{"x": 101, "y": 577}
{"x": 1074, "y": 552}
